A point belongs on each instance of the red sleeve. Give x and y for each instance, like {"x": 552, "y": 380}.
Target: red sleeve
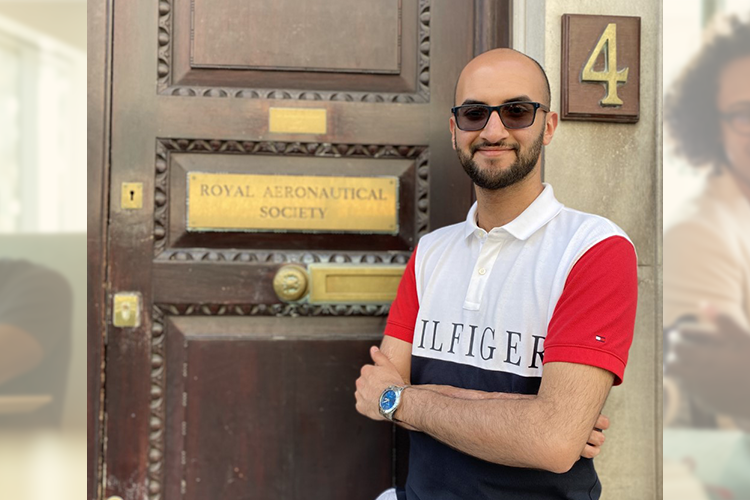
{"x": 594, "y": 319}
{"x": 403, "y": 315}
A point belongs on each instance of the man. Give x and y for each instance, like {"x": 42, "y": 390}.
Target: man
{"x": 524, "y": 284}
{"x": 35, "y": 319}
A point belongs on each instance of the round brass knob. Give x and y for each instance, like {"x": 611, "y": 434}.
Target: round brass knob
{"x": 290, "y": 283}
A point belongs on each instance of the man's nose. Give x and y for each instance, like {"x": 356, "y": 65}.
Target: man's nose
{"x": 494, "y": 131}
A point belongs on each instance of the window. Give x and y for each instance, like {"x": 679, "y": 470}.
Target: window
{"x": 42, "y": 145}
{"x": 10, "y": 90}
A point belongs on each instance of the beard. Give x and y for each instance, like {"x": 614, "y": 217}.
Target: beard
{"x": 494, "y": 180}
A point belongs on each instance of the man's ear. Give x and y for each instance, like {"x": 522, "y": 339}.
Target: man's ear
{"x": 550, "y": 125}
{"x": 452, "y": 123}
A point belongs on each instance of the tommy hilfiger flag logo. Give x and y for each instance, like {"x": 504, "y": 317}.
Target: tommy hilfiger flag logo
{"x": 599, "y": 338}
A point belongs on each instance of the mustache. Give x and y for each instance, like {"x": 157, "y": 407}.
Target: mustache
{"x": 485, "y": 144}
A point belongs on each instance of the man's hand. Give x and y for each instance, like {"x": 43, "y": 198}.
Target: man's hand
{"x": 596, "y": 439}
{"x": 373, "y": 380}
{"x": 712, "y": 366}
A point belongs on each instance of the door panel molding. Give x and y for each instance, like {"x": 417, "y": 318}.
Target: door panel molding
{"x": 225, "y": 283}
{"x": 276, "y": 310}
{"x": 173, "y": 242}
{"x": 376, "y": 29}
{"x": 176, "y": 75}
{"x": 184, "y": 435}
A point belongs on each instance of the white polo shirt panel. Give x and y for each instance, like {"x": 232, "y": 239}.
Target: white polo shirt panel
{"x": 486, "y": 299}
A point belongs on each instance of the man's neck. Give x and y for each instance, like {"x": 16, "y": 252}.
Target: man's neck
{"x": 498, "y": 207}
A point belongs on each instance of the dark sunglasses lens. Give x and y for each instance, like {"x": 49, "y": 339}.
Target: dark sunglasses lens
{"x": 472, "y": 117}
{"x": 517, "y": 115}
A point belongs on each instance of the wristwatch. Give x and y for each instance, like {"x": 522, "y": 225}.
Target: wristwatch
{"x": 389, "y": 401}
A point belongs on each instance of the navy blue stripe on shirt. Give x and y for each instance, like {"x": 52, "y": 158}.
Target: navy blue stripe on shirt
{"x": 436, "y": 371}
{"x": 439, "y": 472}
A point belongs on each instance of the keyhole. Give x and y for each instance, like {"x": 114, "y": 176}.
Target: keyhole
{"x": 126, "y": 312}
{"x": 132, "y": 194}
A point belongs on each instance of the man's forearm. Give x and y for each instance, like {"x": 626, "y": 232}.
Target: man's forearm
{"x": 457, "y": 392}
{"x": 515, "y": 431}
{"x": 547, "y": 431}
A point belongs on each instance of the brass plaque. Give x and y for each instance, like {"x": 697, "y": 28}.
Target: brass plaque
{"x": 341, "y": 284}
{"x": 297, "y": 120}
{"x": 217, "y": 202}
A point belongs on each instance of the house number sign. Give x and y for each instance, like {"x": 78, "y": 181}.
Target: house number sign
{"x": 601, "y": 58}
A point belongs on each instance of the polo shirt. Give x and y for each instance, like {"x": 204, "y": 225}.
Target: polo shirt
{"x": 486, "y": 311}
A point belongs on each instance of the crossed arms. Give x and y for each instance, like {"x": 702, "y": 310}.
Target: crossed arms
{"x": 548, "y": 431}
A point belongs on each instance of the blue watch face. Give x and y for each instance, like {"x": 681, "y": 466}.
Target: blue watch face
{"x": 388, "y": 399}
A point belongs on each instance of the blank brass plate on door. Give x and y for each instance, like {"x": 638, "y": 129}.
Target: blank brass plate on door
{"x": 354, "y": 284}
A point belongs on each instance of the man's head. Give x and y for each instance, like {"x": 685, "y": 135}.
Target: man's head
{"x": 708, "y": 108}
{"x": 496, "y": 157}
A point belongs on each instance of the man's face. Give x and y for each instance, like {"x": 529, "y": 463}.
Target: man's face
{"x": 496, "y": 157}
{"x": 495, "y": 176}
{"x": 734, "y": 97}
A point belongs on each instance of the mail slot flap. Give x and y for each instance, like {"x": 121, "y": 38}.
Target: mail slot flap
{"x": 354, "y": 283}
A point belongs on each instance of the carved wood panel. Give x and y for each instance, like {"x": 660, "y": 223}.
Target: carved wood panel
{"x": 296, "y": 36}
{"x": 171, "y": 241}
{"x": 216, "y": 432}
{"x": 403, "y": 77}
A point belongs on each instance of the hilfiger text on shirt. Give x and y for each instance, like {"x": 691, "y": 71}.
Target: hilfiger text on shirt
{"x": 474, "y": 341}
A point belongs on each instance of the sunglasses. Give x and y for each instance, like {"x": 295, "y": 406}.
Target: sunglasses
{"x": 514, "y": 115}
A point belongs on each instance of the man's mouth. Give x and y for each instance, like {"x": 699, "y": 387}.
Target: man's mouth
{"x": 494, "y": 151}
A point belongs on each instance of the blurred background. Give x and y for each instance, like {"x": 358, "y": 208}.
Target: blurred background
{"x": 706, "y": 249}
{"x": 42, "y": 248}
{"x": 684, "y": 25}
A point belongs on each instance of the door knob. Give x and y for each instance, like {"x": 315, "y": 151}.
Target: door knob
{"x": 290, "y": 283}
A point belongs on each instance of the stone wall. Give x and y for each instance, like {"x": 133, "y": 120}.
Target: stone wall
{"x": 615, "y": 170}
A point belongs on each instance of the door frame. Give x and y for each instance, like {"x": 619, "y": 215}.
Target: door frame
{"x": 99, "y": 54}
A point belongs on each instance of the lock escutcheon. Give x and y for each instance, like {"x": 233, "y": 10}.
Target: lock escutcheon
{"x": 126, "y": 310}
{"x": 131, "y": 195}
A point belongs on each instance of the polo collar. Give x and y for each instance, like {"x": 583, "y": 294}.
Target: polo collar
{"x": 542, "y": 210}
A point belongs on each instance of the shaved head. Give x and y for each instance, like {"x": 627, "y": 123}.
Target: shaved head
{"x": 496, "y": 156}
{"x": 498, "y": 57}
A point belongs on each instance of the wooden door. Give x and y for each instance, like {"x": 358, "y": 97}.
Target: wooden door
{"x": 223, "y": 390}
